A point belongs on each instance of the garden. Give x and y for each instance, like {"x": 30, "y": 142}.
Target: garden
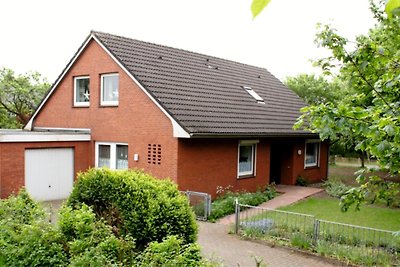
{"x": 112, "y": 218}
{"x": 318, "y": 225}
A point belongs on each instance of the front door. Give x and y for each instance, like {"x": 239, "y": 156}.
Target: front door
{"x": 280, "y": 162}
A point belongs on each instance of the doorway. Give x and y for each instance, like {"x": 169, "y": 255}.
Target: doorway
{"x": 280, "y": 163}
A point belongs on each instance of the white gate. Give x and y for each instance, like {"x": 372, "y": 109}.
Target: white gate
{"x": 49, "y": 173}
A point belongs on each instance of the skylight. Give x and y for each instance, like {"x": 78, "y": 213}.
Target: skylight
{"x": 251, "y": 92}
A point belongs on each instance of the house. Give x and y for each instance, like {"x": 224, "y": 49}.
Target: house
{"x": 203, "y": 121}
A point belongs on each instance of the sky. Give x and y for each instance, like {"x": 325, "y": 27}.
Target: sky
{"x": 43, "y": 35}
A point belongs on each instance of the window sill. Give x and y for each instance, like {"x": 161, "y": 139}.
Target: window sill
{"x": 81, "y": 105}
{"x": 310, "y": 167}
{"x": 245, "y": 176}
{"x": 105, "y": 105}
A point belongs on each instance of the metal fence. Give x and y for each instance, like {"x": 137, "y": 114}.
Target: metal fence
{"x": 200, "y": 203}
{"x": 354, "y": 243}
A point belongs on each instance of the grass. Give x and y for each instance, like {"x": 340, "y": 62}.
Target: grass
{"x": 328, "y": 209}
{"x": 359, "y": 246}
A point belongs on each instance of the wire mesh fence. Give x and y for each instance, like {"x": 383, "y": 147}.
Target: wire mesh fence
{"x": 357, "y": 244}
{"x": 200, "y": 203}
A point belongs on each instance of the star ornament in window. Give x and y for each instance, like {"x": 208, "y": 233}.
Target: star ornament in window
{"x": 86, "y": 96}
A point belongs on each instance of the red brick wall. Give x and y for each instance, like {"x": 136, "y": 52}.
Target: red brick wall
{"x": 12, "y": 162}
{"x": 136, "y": 121}
{"x": 205, "y": 164}
{"x": 312, "y": 174}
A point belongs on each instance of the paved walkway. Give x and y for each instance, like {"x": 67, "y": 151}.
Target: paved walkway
{"x": 216, "y": 243}
{"x": 289, "y": 195}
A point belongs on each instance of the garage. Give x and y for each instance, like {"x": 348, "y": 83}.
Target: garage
{"x": 45, "y": 161}
{"x": 49, "y": 173}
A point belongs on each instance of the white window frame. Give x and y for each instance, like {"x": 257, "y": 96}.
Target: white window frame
{"x": 113, "y": 153}
{"x": 80, "y": 104}
{"x": 254, "y": 94}
{"x": 318, "y": 150}
{"x": 108, "y": 103}
{"x": 251, "y": 173}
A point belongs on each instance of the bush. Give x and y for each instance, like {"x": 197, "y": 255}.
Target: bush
{"x": 336, "y": 188}
{"x": 170, "y": 252}
{"x": 20, "y": 209}
{"x": 136, "y": 204}
{"x": 26, "y": 238}
{"x": 225, "y": 204}
{"x": 301, "y": 181}
{"x": 91, "y": 241}
{"x": 82, "y": 238}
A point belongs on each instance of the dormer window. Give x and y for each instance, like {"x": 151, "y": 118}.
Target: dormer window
{"x": 109, "y": 89}
{"x": 251, "y": 92}
{"x": 81, "y": 91}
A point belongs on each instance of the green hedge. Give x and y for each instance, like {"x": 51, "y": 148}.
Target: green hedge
{"x": 136, "y": 204}
{"x": 80, "y": 238}
{"x": 225, "y": 205}
{"x": 26, "y": 239}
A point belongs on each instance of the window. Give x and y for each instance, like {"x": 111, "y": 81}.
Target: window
{"x": 312, "y": 153}
{"x": 109, "y": 89}
{"x": 122, "y": 157}
{"x": 253, "y": 93}
{"x": 81, "y": 91}
{"x": 246, "y": 158}
{"x": 112, "y": 155}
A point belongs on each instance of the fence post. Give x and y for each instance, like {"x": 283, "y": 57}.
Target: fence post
{"x": 237, "y": 211}
{"x": 316, "y": 230}
{"x": 208, "y": 205}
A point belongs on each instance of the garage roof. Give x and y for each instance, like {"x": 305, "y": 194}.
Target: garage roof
{"x": 44, "y": 135}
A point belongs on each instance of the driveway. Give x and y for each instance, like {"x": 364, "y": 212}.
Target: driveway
{"x": 215, "y": 243}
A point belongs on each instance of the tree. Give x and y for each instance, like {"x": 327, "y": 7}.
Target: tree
{"x": 316, "y": 90}
{"x": 19, "y": 96}
{"x": 371, "y": 114}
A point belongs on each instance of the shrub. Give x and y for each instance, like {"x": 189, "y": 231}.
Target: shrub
{"x": 91, "y": 241}
{"x": 136, "y": 204}
{"x": 301, "y": 181}
{"x": 20, "y": 209}
{"x": 336, "y": 188}
{"x": 300, "y": 241}
{"x": 225, "y": 204}
{"x": 26, "y": 238}
{"x": 171, "y": 252}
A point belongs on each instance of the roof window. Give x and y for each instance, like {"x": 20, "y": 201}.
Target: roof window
{"x": 251, "y": 92}
{"x": 211, "y": 67}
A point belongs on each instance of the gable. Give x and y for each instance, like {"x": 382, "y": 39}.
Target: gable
{"x": 58, "y": 108}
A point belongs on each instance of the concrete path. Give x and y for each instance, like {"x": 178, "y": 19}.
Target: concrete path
{"x": 289, "y": 194}
{"x": 216, "y": 243}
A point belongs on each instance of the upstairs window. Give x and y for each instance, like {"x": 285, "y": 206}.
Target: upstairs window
{"x": 109, "y": 89}
{"x": 81, "y": 91}
{"x": 112, "y": 156}
{"x": 311, "y": 158}
{"x": 253, "y": 93}
{"x": 246, "y": 158}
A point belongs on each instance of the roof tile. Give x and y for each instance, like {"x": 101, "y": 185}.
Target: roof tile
{"x": 205, "y": 94}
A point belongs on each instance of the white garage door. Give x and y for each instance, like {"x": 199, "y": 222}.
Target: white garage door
{"x": 49, "y": 173}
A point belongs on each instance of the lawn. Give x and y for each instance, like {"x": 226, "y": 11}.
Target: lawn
{"x": 328, "y": 209}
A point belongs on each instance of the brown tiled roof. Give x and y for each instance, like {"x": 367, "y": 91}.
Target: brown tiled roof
{"x": 205, "y": 94}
